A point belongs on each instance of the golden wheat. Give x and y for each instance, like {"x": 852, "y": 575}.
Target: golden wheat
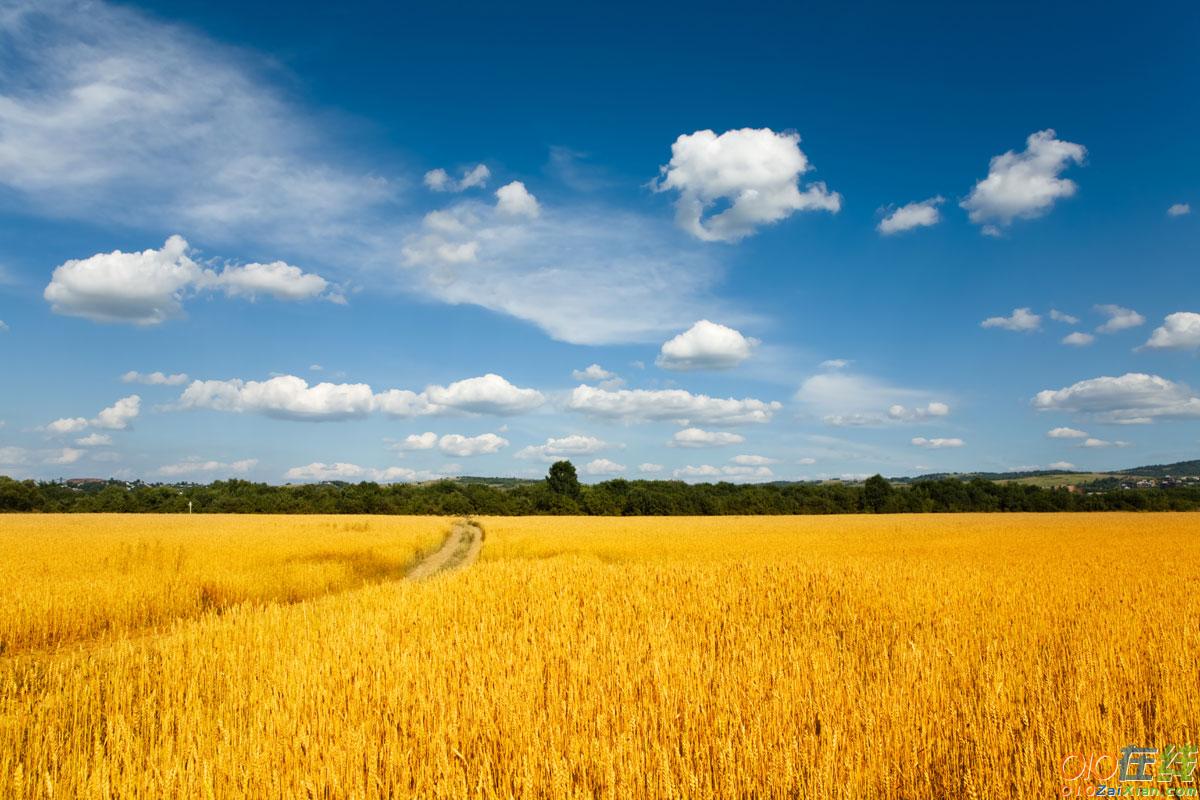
{"x": 906, "y": 656}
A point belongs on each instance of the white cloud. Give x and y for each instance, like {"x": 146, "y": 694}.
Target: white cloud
{"x": 914, "y": 215}
{"x": 592, "y": 374}
{"x": 1094, "y": 442}
{"x": 844, "y": 399}
{"x": 456, "y": 444}
{"x": 149, "y": 287}
{"x": 282, "y": 397}
{"x": 118, "y": 416}
{"x": 1132, "y": 398}
{"x": 68, "y": 455}
{"x": 602, "y": 466}
{"x": 695, "y": 437}
{"x": 598, "y": 375}
{"x": 752, "y": 460}
{"x": 1061, "y": 316}
{"x": 706, "y": 345}
{"x": 905, "y": 414}
{"x": 197, "y": 467}
{"x": 835, "y": 363}
{"x": 94, "y": 440}
{"x": 487, "y": 394}
{"x": 1066, "y": 433}
{"x": 937, "y": 444}
{"x": 1179, "y": 210}
{"x": 723, "y": 473}
{"x": 515, "y": 200}
{"x": 154, "y": 378}
{"x": 143, "y": 288}
{"x": 755, "y": 171}
{"x": 1078, "y": 339}
{"x": 806, "y": 461}
{"x": 646, "y": 468}
{"x": 417, "y": 441}
{"x": 641, "y": 282}
{"x": 440, "y": 181}
{"x": 342, "y": 471}
{"x": 1021, "y": 319}
{"x": 290, "y": 397}
{"x": 564, "y": 447}
{"x": 1119, "y": 318}
{"x": 1179, "y": 331}
{"x": 277, "y": 279}
{"x": 116, "y": 116}
{"x": 1061, "y": 465}
{"x": 1024, "y": 185}
{"x": 675, "y": 405}
{"x": 66, "y": 425}
{"x": 4, "y": 326}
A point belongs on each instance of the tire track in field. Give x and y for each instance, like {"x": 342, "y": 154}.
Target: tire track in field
{"x": 461, "y": 549}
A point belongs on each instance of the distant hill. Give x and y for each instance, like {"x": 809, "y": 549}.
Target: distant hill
{"x": 1046, "y": 477}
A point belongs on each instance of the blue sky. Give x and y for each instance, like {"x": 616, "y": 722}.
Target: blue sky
{"x": 374, "y": 242}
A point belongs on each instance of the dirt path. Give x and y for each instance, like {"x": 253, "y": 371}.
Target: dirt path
{"x": 460, "y": 549}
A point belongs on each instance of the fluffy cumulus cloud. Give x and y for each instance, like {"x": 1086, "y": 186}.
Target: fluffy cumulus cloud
{"x": 571, "y": 446}
{"x": 598, "y": 375}
{"x": 708, "y": 472}
{"x": 903, "y": 413}
{"x": 149, "y": 287}
{"x": 1062, "y": 316}
{"x": 514, "y": 200}
{"x": 835, "y": 363}
{"x": 706, "y": 345}
{"x": 1078, "y": 339}
{"x": 1092, "y": 441}
{"x": 603, "y": 466}
{"x": 195, "y": 466}
{"x": 1021, "y": 319}
{"x": 674, "y": 405}
{"x": 1179, "y": 331}
{"x": 460, "y": 446}
{"x": 646, "y": 468}
{"x": 417, "y": 441}
{"x": 487, "y": 394}
{"x": 68, "y": 455}
{"x": 277, "y": 279}
{"x": 1066, "y": 433}
{"x": 1024, "y": 185}
{"x": 936, "y": 444}
{"x": 1119, "y": 318}
{"x": 282, "y": 397}
{"x": 94, "y": 440}
{"x": 342, "y": 471}
{"x": 116, "y": 417}
{"x": 696, "y": 437}
{"x": 291, "y": 397}
{"x": 155, "y": 378}
{"x": 924, "y": 214}
{"x": 472, "y": 177}
{"x": 1179, "y": 210}
{"x": 1132, "y": 398}
{"x": 843, "y": 399}
{"x": 752, "y": 460}
{"x": 754, "y": 172}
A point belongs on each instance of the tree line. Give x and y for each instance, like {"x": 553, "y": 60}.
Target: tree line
{"x": 561, "y": 493}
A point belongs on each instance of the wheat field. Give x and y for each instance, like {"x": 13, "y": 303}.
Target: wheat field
{"x": 752, "y": 657}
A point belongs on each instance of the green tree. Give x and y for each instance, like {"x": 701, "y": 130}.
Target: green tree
{"x": 563, "y": 480}
{"x": 876, "y": 493}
